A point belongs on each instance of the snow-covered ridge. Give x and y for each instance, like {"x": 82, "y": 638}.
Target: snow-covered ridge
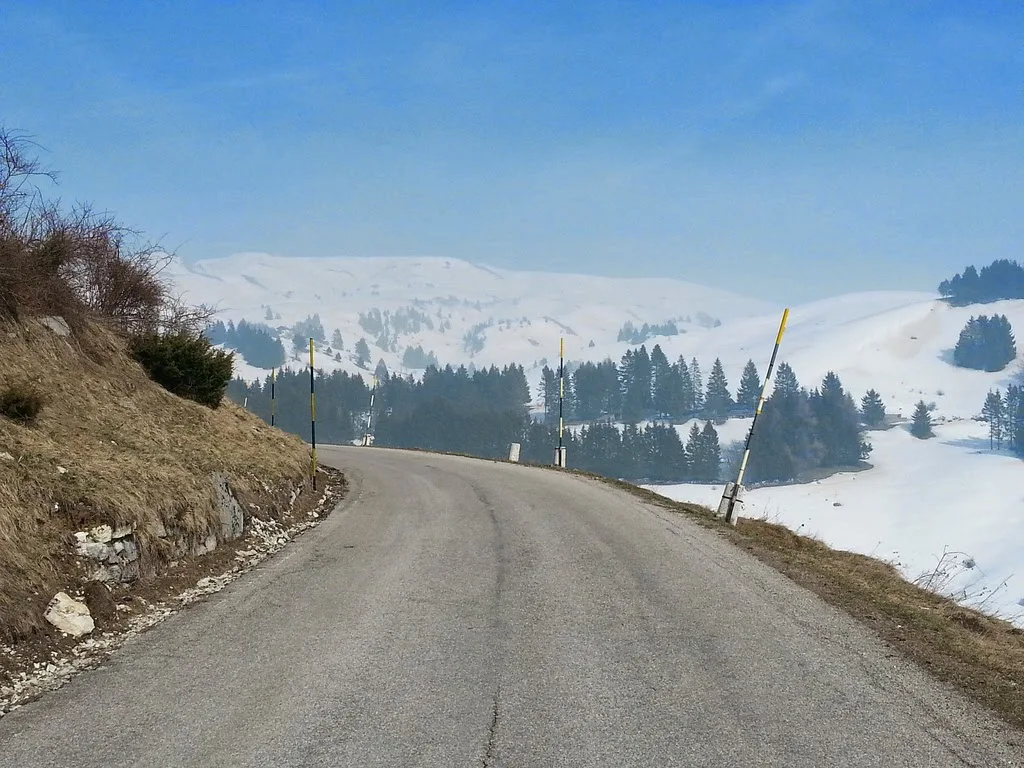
{"x": 514, "y": 316}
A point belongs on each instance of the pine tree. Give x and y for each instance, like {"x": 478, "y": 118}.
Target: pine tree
{"x": 921, "y": 428}
{"x": 633, "y": 458}
{"x": 632, "y": 399}
{"x": 336, "y": 340}
{"x": 1015, "y": 423}
{"x": 838, "y": 424}
{"x": 698, "y": 386}
{"x": 872, "y": 409}
{"x": 682, "y": 404}
{"x": 985, "y": 344}
{"x": 362, "y": 353}
{"x": 549, "y": 393}
{"x": 662, "y": 382}
{"x": 750, "y": 387}
{"x": 785, "y": 380}
{"x": 643, "y": 372}
{"x": 718, "y": 400}
{"x": 694, "y": 455}
{"x": 711, "y": 454}
{"x": 994, "y": 413}
{"x": 667, "y": 455}
{"x": 770, "y": 457}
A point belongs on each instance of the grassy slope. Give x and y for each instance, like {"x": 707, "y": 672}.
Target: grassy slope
{"x": 133, "y": 454}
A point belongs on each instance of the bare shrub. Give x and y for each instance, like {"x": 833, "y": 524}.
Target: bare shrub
{"x": 77, "y": 262}
{"x": 21, "y": 403}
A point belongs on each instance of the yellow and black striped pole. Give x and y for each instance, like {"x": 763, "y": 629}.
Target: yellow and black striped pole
{"x": 732, "y": 494}
{"x": 273, "y": 393}
{"x": 312, "y": 413}
{"x": 561, "y": 401}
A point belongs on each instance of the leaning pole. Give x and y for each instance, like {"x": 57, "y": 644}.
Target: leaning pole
{"x": 727, "y": 506}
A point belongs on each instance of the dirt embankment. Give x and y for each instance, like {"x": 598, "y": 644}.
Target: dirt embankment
{"x": 110, "y": 448}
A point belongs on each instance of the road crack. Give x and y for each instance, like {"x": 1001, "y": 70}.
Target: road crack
{"x": 498, "y": 626}
{"x": 492, "y": 731}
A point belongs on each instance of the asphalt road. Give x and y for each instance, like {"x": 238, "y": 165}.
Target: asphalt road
{"x": 455, "y": 612}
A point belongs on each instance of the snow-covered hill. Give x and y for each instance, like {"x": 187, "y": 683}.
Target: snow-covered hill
{"x": 895, "y": 341}
{"x": 461, "y": 312}
{"x": 919, "y": 498}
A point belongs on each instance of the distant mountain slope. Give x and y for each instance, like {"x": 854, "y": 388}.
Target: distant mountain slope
{"x": 460, "y": 311}
{"x": 897, "y": 342}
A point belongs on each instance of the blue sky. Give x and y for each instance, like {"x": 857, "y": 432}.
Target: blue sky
{"x": 793, "y": 150}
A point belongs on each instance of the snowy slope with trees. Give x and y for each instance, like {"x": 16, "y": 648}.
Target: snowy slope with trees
{"x": 410, "y": 311}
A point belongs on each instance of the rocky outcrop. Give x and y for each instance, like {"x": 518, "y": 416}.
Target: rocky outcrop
{"x": 232, "y": 518}
{"x": 115, "y": 552}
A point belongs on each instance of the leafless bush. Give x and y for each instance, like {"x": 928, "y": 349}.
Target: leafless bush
{"x": 78, "y": 262}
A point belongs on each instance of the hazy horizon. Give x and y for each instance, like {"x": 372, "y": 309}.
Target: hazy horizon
{"x": 792, "y": 151}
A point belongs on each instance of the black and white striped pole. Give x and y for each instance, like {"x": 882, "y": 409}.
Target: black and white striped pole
{"x": 367, "y": 437}
{"x": 731, "y": 494}
{"x": 273, "y": 393}
{"x": 560, "y": 452}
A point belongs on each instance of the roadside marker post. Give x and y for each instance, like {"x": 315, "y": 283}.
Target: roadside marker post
{"x": 731, "y": 494}
{"x": 312, "y": 411}
{"x": 367, "y": 437}
{"x": 560, "y": 452}
{"x": 273, "y": 393}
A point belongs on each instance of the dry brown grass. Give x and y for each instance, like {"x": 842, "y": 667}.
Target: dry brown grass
{"x": 132, "y": 453}
{"x": 981, "y": 655}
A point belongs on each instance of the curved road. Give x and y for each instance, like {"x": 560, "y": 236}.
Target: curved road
{"x": 455, "y": 612}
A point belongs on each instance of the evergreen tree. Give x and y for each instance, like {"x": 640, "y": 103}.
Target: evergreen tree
{"x": 995, "y": 414}
{"x": 667, "y": 454}
{"x": 633, "y": 460}
{"x": 631, "y": 398}
{"x": 549, "y": 394}
{"x": 872, "y": 409}
{"x": 662, "y": 382}
{"x": 311, "y": 328}
{"x": 1002, "y": 279}
{"x": 682, "y": 390}
{"x": 1015, "y": 421}
{"x": 336, "y": 340}
{"x": 694, "y": 456}
{"x": 750, "y": 387}
{"x": 838, "y": 424}
{"x": 591, "y": 398}
{"x": 635, "y": 378}
{"x": 644, "y": 375}
{"x": 921, "y": 427}
{"x": 718, "y": 400}
{"x": 985, "y": 344}
{"x": 698, "y": 386}
{"x": 710, "y": 453}
{"x": 785, "y": 380}
{"x": 362, "y": 353}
